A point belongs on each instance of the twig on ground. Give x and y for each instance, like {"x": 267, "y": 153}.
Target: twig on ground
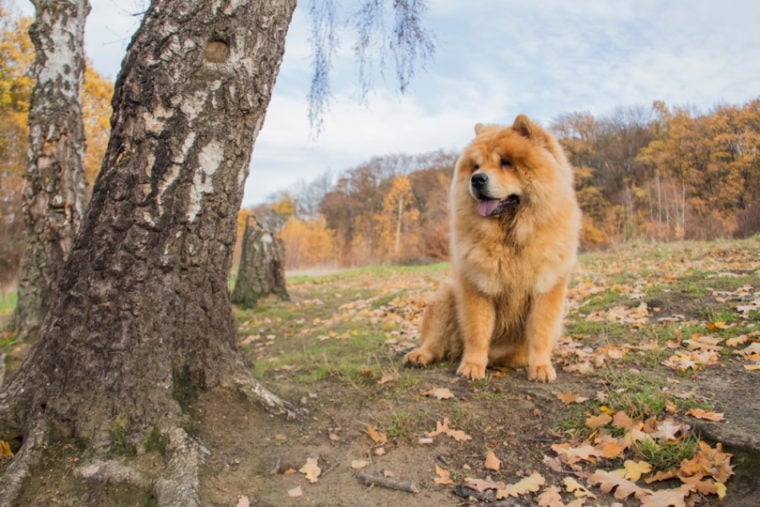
{"x": 385, "y": 482}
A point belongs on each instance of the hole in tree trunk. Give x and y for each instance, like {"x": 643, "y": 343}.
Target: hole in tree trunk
{"x": 217, "y": 51}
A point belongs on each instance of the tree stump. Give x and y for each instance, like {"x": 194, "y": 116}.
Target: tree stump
{"x": 262, "y": 266}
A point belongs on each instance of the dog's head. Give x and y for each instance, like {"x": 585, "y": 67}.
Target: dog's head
{"x": 501, "y": 164}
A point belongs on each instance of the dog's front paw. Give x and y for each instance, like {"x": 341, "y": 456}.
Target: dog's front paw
{"x": 542, "y": 373}
{"x": 471, "y": 370}
{"x": 419, "y": 357}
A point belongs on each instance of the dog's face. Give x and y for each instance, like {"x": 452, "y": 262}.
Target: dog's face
{"x": 498, "y": 166}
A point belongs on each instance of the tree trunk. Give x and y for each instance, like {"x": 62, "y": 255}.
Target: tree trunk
{"x": 143, "y": 322}
{"x": 262, "y": 266}
{"x": 55, "y": 194}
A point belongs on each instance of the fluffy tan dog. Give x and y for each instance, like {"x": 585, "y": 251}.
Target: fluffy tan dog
{"x": 514, "y": 236}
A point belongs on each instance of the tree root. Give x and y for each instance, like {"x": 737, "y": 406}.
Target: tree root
{"x": 253, "y": 390}
{"x": 26, "y": 458}
{"x": 178, "y": 486}
{"x": 112, "y": 472}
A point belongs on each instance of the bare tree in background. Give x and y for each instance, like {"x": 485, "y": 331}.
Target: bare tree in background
{"x": 56, "y": 192}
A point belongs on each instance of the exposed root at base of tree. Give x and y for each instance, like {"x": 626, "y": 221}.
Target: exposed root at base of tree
{"x": 254, "y": 391}
{"x": 26, "y": 458}
{"x": 179, "y": 485}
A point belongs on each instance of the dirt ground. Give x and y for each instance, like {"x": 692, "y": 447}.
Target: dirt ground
{"x": 335, "y": 349}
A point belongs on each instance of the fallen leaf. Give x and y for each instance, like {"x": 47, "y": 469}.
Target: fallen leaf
{"x": 243, "y": 502}
{"x": 635, "y": 469}
{"x": 483, "y": 485}
{"x": 443, "y": 427}
{"x": 295, "y": 492}
{"x": 667, "y": 497}
{"x": 376, "y": 435}
{"x": 709, "y": 461}
{"x": 611, "y": 450}
{"x": 311, "y": 470}
{"x": 623, "y": 421}
{"x": 530, "y": 484}
{"x": 752, "y": 367}
{"x": 439, "y": 393}
{"x": 358, "y": 464}
{"x": 614, "y": 481}
{"x": 713, "y": 326}
{"x": 576, "y": 488}
{"x": 387, "y": 378}
{"x": 492, "y": 462}
{"x": 5, "y": 449}
{"x": 706, "y": 415}
{"x": 550, "y": 497}
{"x": 569, "y": 397}
{"x": 444, "y": 476}
{"x": 739, "y": 340}
{"x": 667, "y": 430}
{"x": 598, "y": 421}
{"x": 572, "y": 455}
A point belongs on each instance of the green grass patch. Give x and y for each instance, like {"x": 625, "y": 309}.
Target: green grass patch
{"x": 668, "y": 455}
{"x": 7, "y": 302}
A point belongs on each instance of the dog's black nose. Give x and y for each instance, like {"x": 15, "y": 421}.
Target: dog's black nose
{"x": 478, "y": 180}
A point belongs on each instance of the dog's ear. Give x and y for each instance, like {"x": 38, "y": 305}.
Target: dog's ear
{"x": 524, "y": 126}
{"x": 479, "y": 128}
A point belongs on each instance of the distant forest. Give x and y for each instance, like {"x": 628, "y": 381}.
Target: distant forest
{"x": 656, "y": 173}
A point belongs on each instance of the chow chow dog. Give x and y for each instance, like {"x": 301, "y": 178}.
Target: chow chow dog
{"x": 515, "y": 224}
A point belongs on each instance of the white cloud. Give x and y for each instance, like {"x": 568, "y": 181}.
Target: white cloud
{"x": 495, "y": 58}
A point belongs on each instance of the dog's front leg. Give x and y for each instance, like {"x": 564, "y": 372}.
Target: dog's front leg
{"x": 544, "y": 327}
{"x": 476, "y": 318}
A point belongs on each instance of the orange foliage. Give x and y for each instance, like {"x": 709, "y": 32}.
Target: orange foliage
{"x": 308, "y": 243}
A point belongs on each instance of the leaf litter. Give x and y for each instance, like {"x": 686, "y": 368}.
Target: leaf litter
{"x": 608, "y": 460}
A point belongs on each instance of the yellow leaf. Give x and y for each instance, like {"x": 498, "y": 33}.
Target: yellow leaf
{"x": 376, "y": 435}
{"x": 311, "y": 470}
{"x": 606, "y": 410}
{"x": 598, "y": 421}
{"x": 752, "y": 367}
{"x": 530, "y": 484}
{"x": 713, "y": 326}
{"x": 635, "y": 469}
{"x": 5, "y": 449}
{"x": 721, "y": 490}
{"x": 492, "y": 462}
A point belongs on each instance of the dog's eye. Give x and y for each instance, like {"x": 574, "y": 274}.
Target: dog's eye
{"x": 475, "y": 166}
{"x": 506, "y": 163}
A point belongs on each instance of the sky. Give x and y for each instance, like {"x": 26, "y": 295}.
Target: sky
{"x": 494, "y": 59}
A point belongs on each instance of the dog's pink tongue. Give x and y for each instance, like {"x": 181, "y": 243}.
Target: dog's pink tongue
{"x": 485, "y": 208}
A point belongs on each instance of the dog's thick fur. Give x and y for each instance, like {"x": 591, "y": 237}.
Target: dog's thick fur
{"x": 514, "y": 236}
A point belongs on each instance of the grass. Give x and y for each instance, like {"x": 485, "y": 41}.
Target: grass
{"x": 7, "y": 302}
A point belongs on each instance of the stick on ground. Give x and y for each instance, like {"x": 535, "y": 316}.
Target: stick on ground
{"x": 374, "y": 480}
